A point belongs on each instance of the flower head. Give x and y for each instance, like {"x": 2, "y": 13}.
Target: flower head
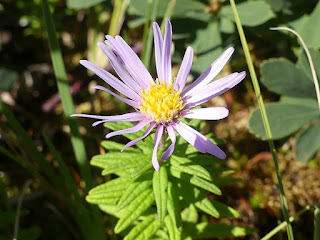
{"x": 160, "y": 102}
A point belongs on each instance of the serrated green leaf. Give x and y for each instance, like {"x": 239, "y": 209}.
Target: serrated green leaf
{"x": 109, "y": 198}
{"x": 284, "y": 119}
{"x": 111, "y": 210}
{"x": 308, "y": 142}
{"x": 174, "y": 233}
{"x": 135, "y": 210}
{"x": 281, "y": 76}
{"x": 225, "y": 210}
{"x": 189, "y": 215}
{"x": 217, "y": 230}
{"x": 141, "y": 169}
{"x": 132, "y": 192}
{"x": 111, "y": 158}
{"x": 180, "y": 164}
{"x": 114, "y": 146}
{"x": 125, "y": 164}
{"x": 144, "y": 230}
{"x": 206, "y": 206}
{"x": 102, "y": 161}
{"x": 160, "y": 185}
{"x": 173, "y": 205}
{"x": 251, "y": 13}
{"x": 150, "y": 230}
{"x": 110, "y": 186}
{"x": 197, "y": 181}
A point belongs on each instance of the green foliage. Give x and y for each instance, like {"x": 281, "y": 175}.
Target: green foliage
{"x": 34, "y": 162}
{"x": 307, "y": 29}
{"x": 262, "y": 12}
{"x": 283, "y": 77}
{"x": 7, "y": 220}
{"x": 297, "y": 108}
{"x": 182, "y": 7}
{"x": 78, "y": 4}
{"x": 156, "y": 204}
{"x": 159, "y": 186}
{"x": 207, "y": 46}
{"x": 285, "y": 118}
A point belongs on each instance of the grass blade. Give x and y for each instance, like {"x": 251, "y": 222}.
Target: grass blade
{"x": 264, "y": 117}
{"x": 66, "y": 99}
{"x": 67, "y": 103}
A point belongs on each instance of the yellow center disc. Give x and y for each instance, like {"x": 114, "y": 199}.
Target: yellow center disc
{"x": 161, "y": 102}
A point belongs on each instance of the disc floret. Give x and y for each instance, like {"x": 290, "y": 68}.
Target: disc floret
{"x": 161, "y": 102}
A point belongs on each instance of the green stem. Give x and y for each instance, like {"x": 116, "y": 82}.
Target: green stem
{"x": 167, "y": 14}
{"x": 119, "y": 9}
{"x": 146, "y": 31}
{"x": 264, "y": 118}
{"x": 148, "y": 45}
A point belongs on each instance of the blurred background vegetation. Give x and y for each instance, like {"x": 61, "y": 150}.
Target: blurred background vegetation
{"x": 35, "y": 135}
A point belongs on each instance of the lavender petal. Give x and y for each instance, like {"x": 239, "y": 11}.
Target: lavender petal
{"x": 170, "y": 149}
{"x": 133, "y": 142}
{"x": 214, "y": 89}
{"x": 133, "y": 129}
{"x": 111, "y": 80}
{"x": 184, "y": 70}
{"x": 116, "y": 117}
{"x": 130, "y": 60}
{"x": 133, "y": 119}
{"x": 157, "y": 139}
{"x": 158, "y": 44}
{"x": 125, "y": 100}
{"x": 212, "y": 113}
{"x": 210, "y": 73}
{"x": 166, "y": 53}
{"x": 196, "y": 139}
{"x": 120, "y": 70}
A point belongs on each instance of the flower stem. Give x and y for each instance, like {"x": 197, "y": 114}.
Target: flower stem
{"x": 264, "y": 118}
{"x": 313, "y": 71}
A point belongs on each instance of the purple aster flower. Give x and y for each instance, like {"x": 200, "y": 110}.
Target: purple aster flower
{"x": 160, "y": 102}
